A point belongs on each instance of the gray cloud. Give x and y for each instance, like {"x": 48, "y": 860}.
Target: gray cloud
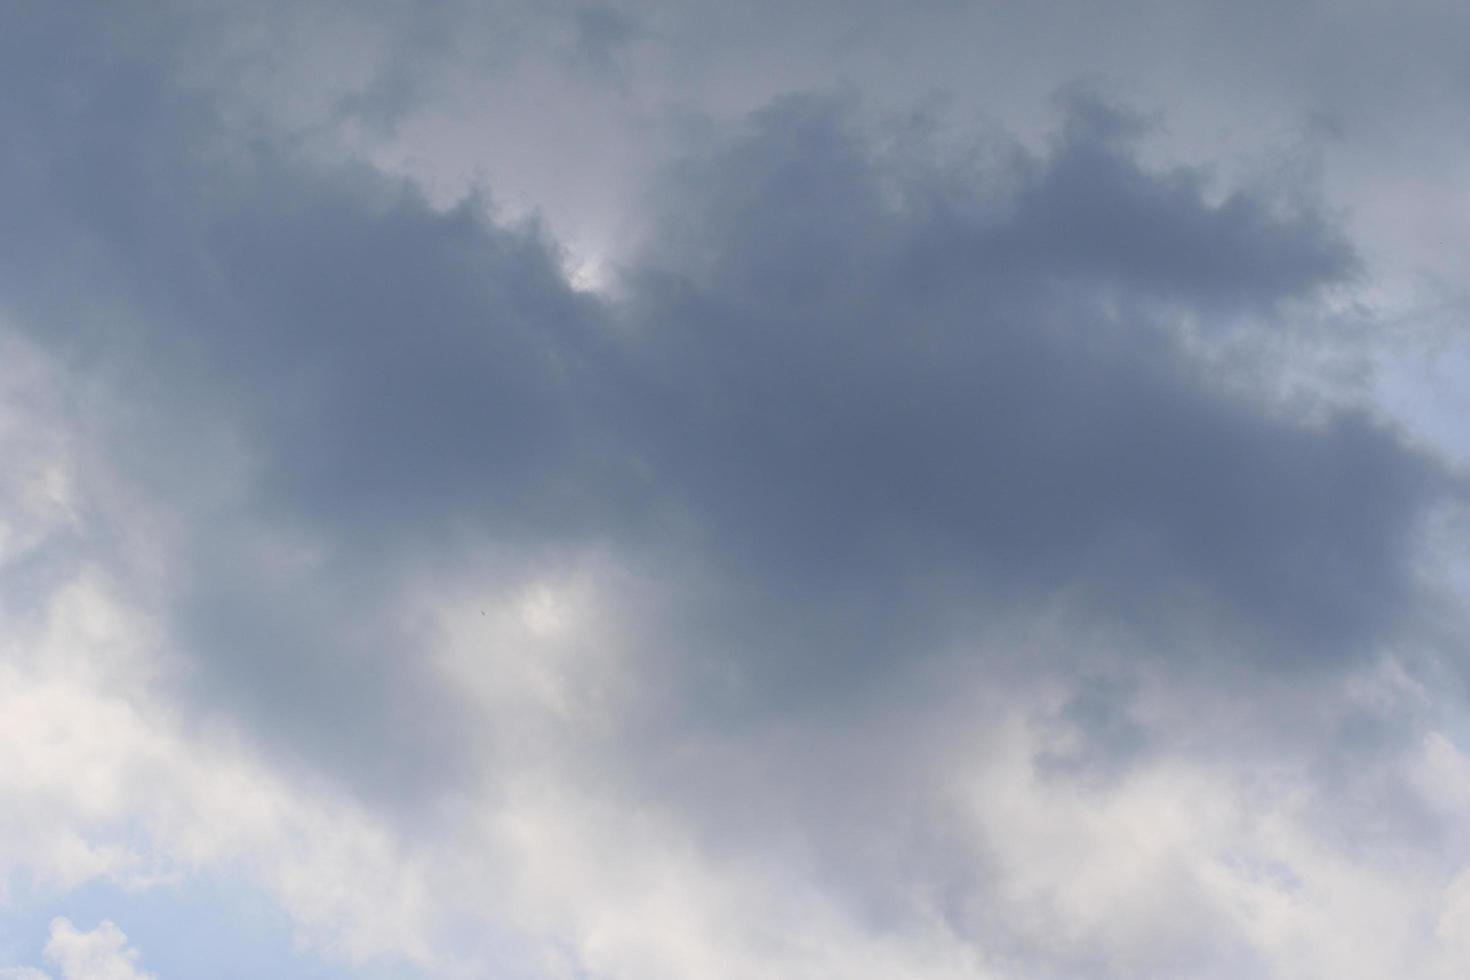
{"x": 859, "y": 397}
{"x": 857, "y": 415}
{"x": 868, "y": 399}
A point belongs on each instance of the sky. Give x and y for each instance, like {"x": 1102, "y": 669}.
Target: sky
{"x": 642, "y": 490}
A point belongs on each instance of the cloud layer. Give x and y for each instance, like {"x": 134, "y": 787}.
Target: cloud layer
{"x": 921, "y": 555}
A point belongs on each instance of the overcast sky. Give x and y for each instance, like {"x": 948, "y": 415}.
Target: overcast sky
{"x": 626, "y": 491}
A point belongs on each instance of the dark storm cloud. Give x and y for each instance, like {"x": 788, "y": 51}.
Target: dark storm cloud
{"x": 387, "y": 371}
{"x": 869, "y": 399}
{"x": 1091, "y": 212}
{"x": 862, "y": 404}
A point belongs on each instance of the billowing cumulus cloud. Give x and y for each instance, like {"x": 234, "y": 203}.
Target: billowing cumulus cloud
{"x": 933, "y": 549}
{"x": 100, "y": 954}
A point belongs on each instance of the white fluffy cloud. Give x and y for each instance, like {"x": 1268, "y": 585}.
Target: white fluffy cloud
{"x": 576, "y": 871}
{"x": 102, "y": 953}
{"x": 573, "y": 869}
